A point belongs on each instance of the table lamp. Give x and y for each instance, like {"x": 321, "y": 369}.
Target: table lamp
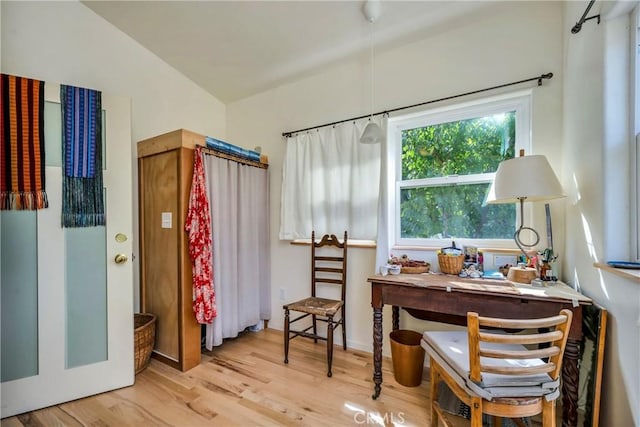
{"x": 530, "y": 179}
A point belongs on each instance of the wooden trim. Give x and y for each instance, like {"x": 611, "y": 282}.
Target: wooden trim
{"x": 165, "y": 359}
{"x": 141, "y": 240}
{"x": 169, "y": 141}
{"x": 189, "y": 337}
{"x": 449, "y": 419}
{"x": 627, "y": 273}
{"x": 369, "y": 244}
{"x": 595, "y": 418}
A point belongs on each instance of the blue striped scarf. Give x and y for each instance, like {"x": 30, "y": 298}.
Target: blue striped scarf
{"x": 82, "y": 186}
{"x": 80, "y": 123}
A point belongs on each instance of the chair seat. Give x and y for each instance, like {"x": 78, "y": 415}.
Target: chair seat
{"x": 451, "y": 351}
{"x": 317, "y": 306}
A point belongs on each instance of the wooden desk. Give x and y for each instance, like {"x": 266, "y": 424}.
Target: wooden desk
{"x": 444, "y": 298}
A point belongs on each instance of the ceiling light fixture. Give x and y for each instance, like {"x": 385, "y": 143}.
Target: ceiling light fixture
{"x": 372, "y": 133}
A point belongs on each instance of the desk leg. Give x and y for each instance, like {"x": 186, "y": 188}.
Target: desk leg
{"x": 570, "y": 378}
{"x": 395, "y": 317}
{"x": 377, "y": 351}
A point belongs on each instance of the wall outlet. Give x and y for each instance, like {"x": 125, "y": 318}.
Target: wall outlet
{"x": 166, "y": 220}
{"x": 283, "y": 294}
{"x": 500, "y": 260}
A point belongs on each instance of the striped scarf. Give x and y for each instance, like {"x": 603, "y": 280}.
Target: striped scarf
{"x": 80, "y": 130}
{"x": 22, "y": 144}
{"x": 82, "y": 186}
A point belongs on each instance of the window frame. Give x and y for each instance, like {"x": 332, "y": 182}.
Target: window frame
{"x": 520, "y": 102}
{"x": 634, "y": 143}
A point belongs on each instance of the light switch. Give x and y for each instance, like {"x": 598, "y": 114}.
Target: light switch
{"x": 166, "y": 220}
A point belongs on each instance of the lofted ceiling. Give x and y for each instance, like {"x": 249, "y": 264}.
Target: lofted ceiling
{"x": 235, "y": 49}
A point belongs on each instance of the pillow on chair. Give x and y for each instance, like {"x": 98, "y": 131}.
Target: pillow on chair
{"x": 451, "y": 350}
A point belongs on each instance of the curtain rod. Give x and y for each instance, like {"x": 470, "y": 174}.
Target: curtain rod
{"x": 576, "y": 28}
{"x": 212, "y": 152}
{"x": 446, "y": 98}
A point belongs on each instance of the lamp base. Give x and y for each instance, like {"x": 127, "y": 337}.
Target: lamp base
{"x": 522, "y": 274}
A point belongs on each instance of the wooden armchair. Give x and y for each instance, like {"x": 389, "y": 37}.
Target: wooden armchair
{"x": 500, "y": 373}
{"x": 328, "y": 270}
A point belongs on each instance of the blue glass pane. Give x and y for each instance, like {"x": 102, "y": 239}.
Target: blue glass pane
{"x": 86, "y": 295}
{"x": 461, "y": 147}
{"x": 19, "y": 294}
{"x": 454, "y": 211}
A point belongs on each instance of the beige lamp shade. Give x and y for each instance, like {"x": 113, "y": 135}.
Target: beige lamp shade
{"x": 527, "y": 177}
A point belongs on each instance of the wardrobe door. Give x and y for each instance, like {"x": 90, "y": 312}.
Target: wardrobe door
{"x": 165, "y": 168}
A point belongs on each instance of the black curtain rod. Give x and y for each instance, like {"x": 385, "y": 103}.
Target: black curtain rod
{"x": 576, "y": 28}
{"x": 446, "y": 98}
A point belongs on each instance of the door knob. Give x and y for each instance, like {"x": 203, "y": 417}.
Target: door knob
{"x": 120, "y": 259}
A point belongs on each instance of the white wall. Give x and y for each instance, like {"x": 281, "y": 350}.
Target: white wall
{"x": 511, "y": 42}
{"x": 66, "y": 42}
{"x": 596, "y": 178}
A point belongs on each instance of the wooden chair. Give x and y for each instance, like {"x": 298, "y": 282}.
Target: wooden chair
{"x": 329, "y": 270}
{"x": 499, "y": 373}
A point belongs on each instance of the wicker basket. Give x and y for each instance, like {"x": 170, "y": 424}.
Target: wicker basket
{"x": 451, "y": 264}
{"x": 144, "y": 338}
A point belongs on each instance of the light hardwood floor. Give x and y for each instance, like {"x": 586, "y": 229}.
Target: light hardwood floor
{"x": 245, "y": 383}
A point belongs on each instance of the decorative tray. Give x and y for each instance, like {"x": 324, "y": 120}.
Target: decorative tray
{"x": 415, "y": 270}
{"x": 409, "y": 266}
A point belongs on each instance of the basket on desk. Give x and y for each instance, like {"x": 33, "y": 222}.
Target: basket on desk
{"x": 143, "y": 340}
{"x": 450, "y": 264}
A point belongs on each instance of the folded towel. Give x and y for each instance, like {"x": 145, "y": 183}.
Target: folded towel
{"x": 225, "y": 147}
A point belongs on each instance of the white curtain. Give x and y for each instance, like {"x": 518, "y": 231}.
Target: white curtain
{"x": 385, "y": 209}
{"x": 239, "y": 199}
{"x": 330, "y": 183}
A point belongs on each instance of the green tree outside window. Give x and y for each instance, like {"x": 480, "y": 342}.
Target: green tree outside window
{"x": 457, "y": 148}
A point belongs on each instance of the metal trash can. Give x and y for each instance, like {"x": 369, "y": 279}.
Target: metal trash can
{"x": 407, "y": 356}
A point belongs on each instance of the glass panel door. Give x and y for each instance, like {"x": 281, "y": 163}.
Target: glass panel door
{"x": 19, "y": 294}
{"x": 67, "y": 306}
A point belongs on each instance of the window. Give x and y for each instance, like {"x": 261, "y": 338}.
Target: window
{"x": 444, "y": 161}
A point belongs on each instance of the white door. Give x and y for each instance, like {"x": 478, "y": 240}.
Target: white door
{"x": 67, "y": 306}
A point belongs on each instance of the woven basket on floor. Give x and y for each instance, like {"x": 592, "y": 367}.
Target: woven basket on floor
{"x": 450, "y": 264}
{"x": 144, "y": 338}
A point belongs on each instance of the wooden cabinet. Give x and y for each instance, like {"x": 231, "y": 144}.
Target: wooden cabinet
{"x": 165, "y": 167}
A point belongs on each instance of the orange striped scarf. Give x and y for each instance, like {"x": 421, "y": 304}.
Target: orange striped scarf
{"x": 22, "y": 144}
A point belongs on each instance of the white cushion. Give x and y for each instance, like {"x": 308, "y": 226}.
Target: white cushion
{"x": 451, "y": 350}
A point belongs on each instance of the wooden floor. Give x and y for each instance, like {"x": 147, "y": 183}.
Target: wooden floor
{"x": 245, "y": 383}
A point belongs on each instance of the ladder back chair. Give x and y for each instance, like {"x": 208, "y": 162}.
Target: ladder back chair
{"x": 509, "y": 373}
{"x": 325, "y": 269}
